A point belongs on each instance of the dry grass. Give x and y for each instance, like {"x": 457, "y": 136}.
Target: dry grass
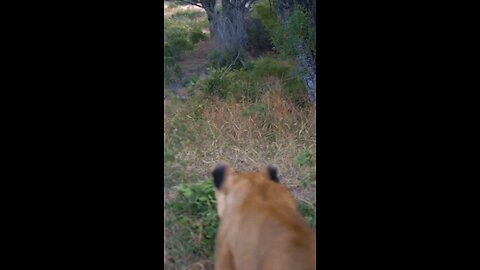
{"x": 223, "y": 131}
{"x": 201, "y": 132}
{"x": 169, "y": 9}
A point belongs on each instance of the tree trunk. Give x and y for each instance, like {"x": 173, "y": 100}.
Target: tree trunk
{"x": 230, "y": 29}
{"x": 308, "y": 69}
{"x": 210, "y": 7}
{"x": 211, "y": 25}
{"x": 305, "y": 59}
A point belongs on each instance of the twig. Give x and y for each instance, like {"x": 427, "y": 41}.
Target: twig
{"x": 234, "y": 61}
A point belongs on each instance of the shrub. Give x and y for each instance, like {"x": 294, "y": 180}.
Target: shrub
{"x": 214, "y": 84}
{"x": 176, "y": 42}
{"x": 181, "y": 31}
{"x": 304, "y": 158}
{"x": 259, "y": 39}
{"x": 270, "y": 67}
{"x": 171, "y": 70}
{"x": 197, "y": 36}
{"x": 228, "y": 58}
{"x": 266, "y": 14}
{"x": 250, "y": 82}
{"x": 296, "y": 27}
{"x": 188, "y": 14}
{"x": 195, "y": 215}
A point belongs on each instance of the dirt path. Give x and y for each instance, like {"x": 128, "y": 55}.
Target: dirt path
{"x": 192, "y": 63}
{"x": 195, "y": 61}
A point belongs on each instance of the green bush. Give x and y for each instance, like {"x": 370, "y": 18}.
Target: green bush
{"x": 197, "y": 36}
{"x": 259, "y": 39}
{"x": 296, "y": 27}
{"x": 250, "y": 81}
{"x": 220, "y": 59}
{"x": 188, "y": 14}
{"x": 214, "y": 84}
{"x": 176, "y": 42}
{"x": 266, "y": 14}
{"x": 308, "y": 211}
{"x": 304, "y": 158}
{"x": 270, "y": 67}
{"x": 176, "y": 36}
{"x": 194, "y": 212}
{"x": 174, "y": 3}
{"x": 181, "y": 31}
{"x": 171, "y": 70}
{"x": 254, "y": 109}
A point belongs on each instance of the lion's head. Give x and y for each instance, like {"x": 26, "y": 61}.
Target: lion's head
{"x": 234, "y": 188}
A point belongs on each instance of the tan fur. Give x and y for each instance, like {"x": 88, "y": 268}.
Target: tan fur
{"x": 260, "y": 227}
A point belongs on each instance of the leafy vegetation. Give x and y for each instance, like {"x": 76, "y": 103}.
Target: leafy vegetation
{"x": 195, "y": 217}
{"x": 252, "y": 81}
{"x": 182, "y": 30}
{"x": 296, "y": 28}
{"x": 266, "y": 14}
{"x": 251, "y": 113}
{"x": 219, "y": 59}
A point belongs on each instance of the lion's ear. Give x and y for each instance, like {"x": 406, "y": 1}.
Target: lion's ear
{"x": 219, "y": 174}
{"x": 272, "y": 172}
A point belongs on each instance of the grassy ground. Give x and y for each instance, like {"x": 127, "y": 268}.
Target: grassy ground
{"x": 249, "y": 118}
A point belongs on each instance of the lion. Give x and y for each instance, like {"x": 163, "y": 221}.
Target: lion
{"x": 260, "y": 227}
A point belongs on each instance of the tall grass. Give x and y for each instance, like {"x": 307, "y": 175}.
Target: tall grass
{"x": 251, "y": 82}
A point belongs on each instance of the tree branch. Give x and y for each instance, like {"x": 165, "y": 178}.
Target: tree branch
{"x": 192, "y": 3}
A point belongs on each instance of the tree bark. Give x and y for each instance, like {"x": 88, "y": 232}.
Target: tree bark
{"x": 308, "y": 69}
{"x": 230, "y": 26}
{"x": 210, "y": 7}
{"x": 305, "y": 59}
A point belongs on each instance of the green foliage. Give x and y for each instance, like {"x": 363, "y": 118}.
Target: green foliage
{"x": 188, "y": 14}
{"x": 171, "y": 70}
{"x": 214, "y": 84}
{"x": 174, "y": 4}
{"x": 181, "y": 31}
{"x": 201, "y": 23}
{"x": 308, "y": 179}
{"x": 197, "y": 36}
{"x": 176, "y": 36}
{"x": 304, "y": 158}
{"x": 195, "y": 214}
{"x": 250, "y": 82}
{"x": 266, "y": 14}
{"x": 168, "y": 156}
{"x": 259, "y": 40}
{"x": 254, "y": 109}
{"x": 228, "y": 58}
{"x": 308, "y": 211}
{"x": 176, "y": 42}
{"x": 297, "y": 27}
{"x": 266, "y": 67}
{"x": 177, "y": 134}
